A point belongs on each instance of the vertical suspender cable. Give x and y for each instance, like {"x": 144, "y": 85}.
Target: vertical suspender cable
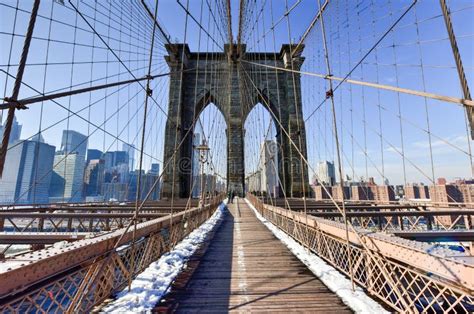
{"x": 339, "y": 160}
{"x": 148, "y": 94}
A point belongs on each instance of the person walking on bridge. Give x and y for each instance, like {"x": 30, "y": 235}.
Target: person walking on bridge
{"x": 230, "y": 196}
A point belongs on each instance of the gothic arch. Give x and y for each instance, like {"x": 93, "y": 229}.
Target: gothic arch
{"x": 204, "y": 101}
{"x": 223, "y": 86}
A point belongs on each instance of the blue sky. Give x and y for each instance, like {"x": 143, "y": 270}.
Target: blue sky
{"x": 415, "y": 55}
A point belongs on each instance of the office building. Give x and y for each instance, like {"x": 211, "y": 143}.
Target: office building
{"x": 130, "y": 150}
{"x": 67, "y": 178}
{"x": 269, "y": 167}
{"x": 154, "y": 170}
{"x": 115, "y": 158}
{"x": 416, "y": 191}
{"x": 93, "y": 154}
{"x": 320, "y": 193}
{"x": 27, "y": 173}
{"x": 361, "y": 193}
{"x": 15, "y": 132}
{"x": 94, "y": 177}
{"x": 337, "y": 194}
{"x": 114, "y": 192}
{"x": 74, "y": 142}
{"x": 147, "y": 186}
{"x": 254, "y": 182}
{"x": 196, "y": 165}
{"x": 326, "y": 173}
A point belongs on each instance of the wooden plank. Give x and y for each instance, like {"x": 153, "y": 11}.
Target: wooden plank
{"x": 246, "y": 268}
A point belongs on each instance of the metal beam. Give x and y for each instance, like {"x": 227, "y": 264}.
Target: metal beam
{"x": 393, "y": 213}
{"x": 17, "y": 274}
{"x": 437, "y": 236}
{"x": 79, "y": 215}
{"x": 41, "y": 237}
{"x": 23, "y": 102}
{"x": 454, "y": 100}
{"x": 16, "y": 88}
{"x": 459, "y": 270}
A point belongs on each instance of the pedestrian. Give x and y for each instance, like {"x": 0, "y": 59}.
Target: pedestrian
{"x": 229, "y": 196}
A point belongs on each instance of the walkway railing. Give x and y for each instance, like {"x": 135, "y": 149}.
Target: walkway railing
{"x": 78, "y": 277}
{"x": 406, "y": 275}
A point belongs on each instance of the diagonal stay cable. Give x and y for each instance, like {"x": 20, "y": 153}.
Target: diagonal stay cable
{"x": 113, "y": 52}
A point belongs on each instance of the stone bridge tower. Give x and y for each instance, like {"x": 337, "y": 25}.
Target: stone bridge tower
{"x": 223, "y": 79}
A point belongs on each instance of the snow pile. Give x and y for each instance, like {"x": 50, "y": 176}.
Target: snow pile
{"x": 14, "y": 249}
{"x": 358, "y": 300}
{"x": 152, "y": 284}
{"x": 62, "y": 245}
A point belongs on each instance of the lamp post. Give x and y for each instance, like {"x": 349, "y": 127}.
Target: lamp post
{"x": 203, "y": 150}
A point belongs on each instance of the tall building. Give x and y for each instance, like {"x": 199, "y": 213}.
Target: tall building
{"x": 269, "y": 166}
{"x": 93, "y": 154}
{"x": 27, "y": 173}
{"x": 115, "y": 158}
{"x": 320, "y": 193}
{"x": 15, "y": 132}
{"x": 196, "y": 143}
{"x": 254, "y": 182}
{"x": 152, "y": 176}
{"x": 196, "y": 166}
{"x": 114, "y": 191}
{"x": 415, "y": 191}
{"x": 326, "y": 173}
{"x": 337, "y": 195}
{"x": 210, "y": 184}
{"x": 130, "y": 149}
{"x": 383, "y": 194}
{"x": 361, "y": 193}
{"x": 94, "y": 177}
{"x": 154, "y": 170}
{"x": 147, "y": 182}
{"x": 446, "y": 193}
{"x": 74, "y": 142}
{"x": 67, "y": 178}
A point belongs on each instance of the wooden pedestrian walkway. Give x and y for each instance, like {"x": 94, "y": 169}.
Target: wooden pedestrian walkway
{"x": 246, "y": 268}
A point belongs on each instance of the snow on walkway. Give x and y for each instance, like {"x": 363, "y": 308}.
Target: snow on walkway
{"x": 358, "y": 300}
{"x": 153, "y": 283}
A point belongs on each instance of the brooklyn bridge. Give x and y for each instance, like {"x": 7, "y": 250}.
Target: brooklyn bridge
{"x": 236, "y": 156}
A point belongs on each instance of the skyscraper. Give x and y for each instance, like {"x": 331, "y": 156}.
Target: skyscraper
{"x": 68, "y": 178}
{"x": 15, "y": 132}
{"x": 94, "y": 177}
{"x": 27, "y": 173}
{"x": 116, "y": 158}
{"x": 130, "y": 149}
{"x": 154, "y": 170}
{"x": 196, "y": 166}
{"x": 93, "y": 154}
{"x": 74, "y": 142}
{"x": 196, "y": 143}
{"x": 269, "y": 166}
{"x": 326, "y": 173}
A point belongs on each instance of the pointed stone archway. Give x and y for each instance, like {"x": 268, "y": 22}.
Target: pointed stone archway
{"x": 218, "y": 80}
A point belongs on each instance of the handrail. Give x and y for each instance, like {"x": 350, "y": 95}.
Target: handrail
{"x": 431, "y": 279}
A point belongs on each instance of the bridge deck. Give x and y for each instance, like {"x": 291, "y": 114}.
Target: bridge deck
{"x": 246, "y": 268}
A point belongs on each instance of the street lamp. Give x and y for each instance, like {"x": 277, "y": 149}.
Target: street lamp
{"x": 203, "y": 150}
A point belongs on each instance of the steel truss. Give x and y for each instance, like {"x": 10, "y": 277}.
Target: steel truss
{"x": 428, "y": 281}
{"x": 63, "y": 280}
